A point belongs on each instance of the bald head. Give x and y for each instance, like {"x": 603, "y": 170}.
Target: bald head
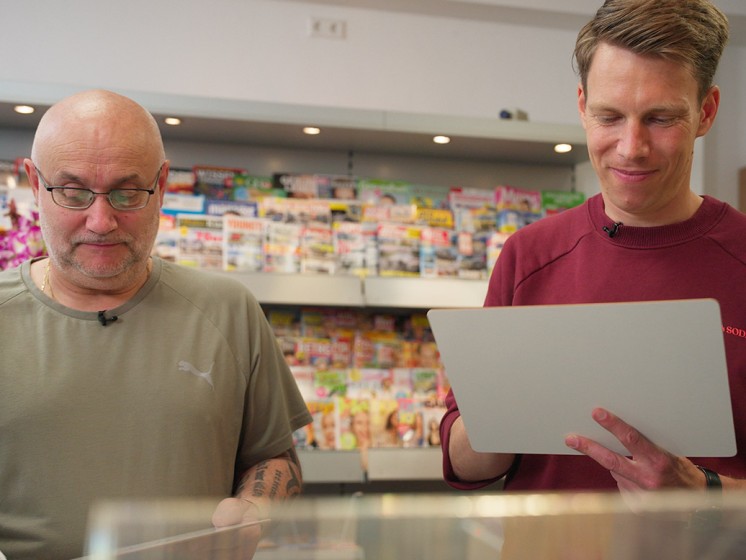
{"x": 96, "y": 119}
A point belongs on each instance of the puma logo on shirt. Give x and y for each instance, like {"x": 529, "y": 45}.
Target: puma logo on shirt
{"x": 206, "y": 375}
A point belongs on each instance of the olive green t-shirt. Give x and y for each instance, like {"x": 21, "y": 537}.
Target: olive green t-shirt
{"x": 185, "y": 388}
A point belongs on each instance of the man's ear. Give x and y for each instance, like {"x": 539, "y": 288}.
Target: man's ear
{"x": 33, "y": 177}
{"x": 709, "y": 110}
{"x": 581, "y": 104}
{"x": 163, "y": 180}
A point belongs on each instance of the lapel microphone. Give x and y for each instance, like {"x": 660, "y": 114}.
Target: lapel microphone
{"x": 103, "y": 320}
{"x": 613, "y": 230}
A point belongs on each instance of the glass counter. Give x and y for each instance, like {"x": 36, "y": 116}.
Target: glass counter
{"x": 470, "y": 526}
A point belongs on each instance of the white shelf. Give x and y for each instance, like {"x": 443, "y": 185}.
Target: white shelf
{"x": 384, "y": 464}
{"x": 415, "y": 463}
{"x": 424, "y": 293}
{"x": 303, "y": 289}
{"x": 351, "y": 291}
{"x": 337, "y": 467}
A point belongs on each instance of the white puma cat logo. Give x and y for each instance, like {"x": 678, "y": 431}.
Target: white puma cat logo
{"x": 206, "y": 375}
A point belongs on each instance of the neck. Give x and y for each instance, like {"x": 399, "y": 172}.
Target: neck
{"x": 82, "y": 297}
{"x": 670, "y": 215}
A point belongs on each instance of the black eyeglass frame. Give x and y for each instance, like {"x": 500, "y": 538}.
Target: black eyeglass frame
{"x": 51, "y": 190}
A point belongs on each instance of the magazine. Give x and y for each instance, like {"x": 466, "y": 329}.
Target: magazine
{"x": 200, "y": 240}
{"x": 282, "y": 250}
{"x": 243, "y": 243}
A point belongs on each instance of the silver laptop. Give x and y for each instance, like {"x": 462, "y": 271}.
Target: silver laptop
{"x": 526, "y": 376}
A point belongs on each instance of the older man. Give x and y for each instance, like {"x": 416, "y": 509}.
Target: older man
{"x": 124, "y": 376}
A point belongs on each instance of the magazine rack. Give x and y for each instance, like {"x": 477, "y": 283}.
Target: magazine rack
{"x": 589, "y": 526}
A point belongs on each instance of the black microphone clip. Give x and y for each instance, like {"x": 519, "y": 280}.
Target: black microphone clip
{"x": 103, "y": 320}
{"x": 613, "y": 230}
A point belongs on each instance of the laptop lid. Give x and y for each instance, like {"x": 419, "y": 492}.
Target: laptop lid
{"x": 525, "y": 377}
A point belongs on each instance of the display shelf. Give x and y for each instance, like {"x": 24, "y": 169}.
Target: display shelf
{"x": 274, "y": 288}
{"x": 302, "y": 289}
{"x": 414, "y": 463}
{"x": 423, "y": 293}
{"x": 331, "y": 466}
{"x": 384, "y": 464}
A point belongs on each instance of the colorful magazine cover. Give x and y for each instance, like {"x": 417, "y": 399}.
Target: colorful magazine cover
{"x": 306, "y": 185}
{"x": 425, "y": 384}
{"x": 315, "y": 352}
{"x": 439, "y": 256}
{"x": 429, "y": 196}
{"x": 355, "y": 245}
{"x": 295, "y": 211}
{"x": 231, "y": 208}
{"x": 431, "y": 417}
{"x": 513, "y": 198}
{"x": 180, "y": 203}
{"x": 375, "y": 349}
{"x": 495, "y": 245}
{"x": 253, "y": 188}
{"x": 393, "y": 213}
{"x": 317, "y": 254}
{"x": 330, "y": 383}
{"x": 399, "y": 385}
{"x": 321, "y": 433}
{"x": 180, "y": 180}
{"x": 282, "y": 250}
{"x": 214, "y": 181}
{"x": 554, "y": 202}
{"x": 384, "y": 422}
{"x": 243, "y": 243}
{"x": 435, "y": 217}
{"x": 398, "y": 250}
{"x": 466, "y": 197}
{"x": 366, "y": 383}
{"x": 167, "y": 239}
{"x": 354, "y": 425}
{"x": 381, "y": 192}
{"x": 411, "y": 422}
{"x": 472, "y": 255}
{"x": 200, "y": 241}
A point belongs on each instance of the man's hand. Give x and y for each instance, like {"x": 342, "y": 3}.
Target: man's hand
{"x": 241, "y": 542}
{"x": 237, "y": 511}
{"x": 650, "y": 467}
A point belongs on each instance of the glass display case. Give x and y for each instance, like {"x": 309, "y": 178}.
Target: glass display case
{"x": 470, "y": 526}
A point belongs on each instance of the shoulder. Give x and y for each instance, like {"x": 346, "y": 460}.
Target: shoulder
{"x": 11, "y": 282}
{"x": 205, "y": 288}
{"x": 728, "y": 231}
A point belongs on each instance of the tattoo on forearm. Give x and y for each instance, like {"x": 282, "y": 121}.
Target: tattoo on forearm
{"x": 286, "y": 472}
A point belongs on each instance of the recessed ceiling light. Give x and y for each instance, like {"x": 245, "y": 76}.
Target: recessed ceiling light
{"x": 312, "y": 130}
{"x": 24, "y": 109}
{"x": 562, "y": 148}
{"x": 172, "y": 121}
{"x": 441, "y": 139}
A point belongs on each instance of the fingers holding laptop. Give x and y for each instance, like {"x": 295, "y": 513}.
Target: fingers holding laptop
{"x": 650, "y": 467}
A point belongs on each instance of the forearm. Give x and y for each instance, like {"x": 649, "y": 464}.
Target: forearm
{"x": 275, "y": 479}
{"x": 471, "y": 466}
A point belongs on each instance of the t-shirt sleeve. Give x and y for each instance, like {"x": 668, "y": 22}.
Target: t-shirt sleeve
{"x": 274, "y": 407}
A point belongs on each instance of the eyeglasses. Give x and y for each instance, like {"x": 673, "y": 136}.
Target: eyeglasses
{"x": 76, "y": 198}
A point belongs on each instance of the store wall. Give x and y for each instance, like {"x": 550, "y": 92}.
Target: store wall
{"x": 260, "y": 50}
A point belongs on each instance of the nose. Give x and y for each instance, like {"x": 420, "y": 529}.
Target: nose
{"x": 634, "y": 142}
{"x": 101, "y": 217}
